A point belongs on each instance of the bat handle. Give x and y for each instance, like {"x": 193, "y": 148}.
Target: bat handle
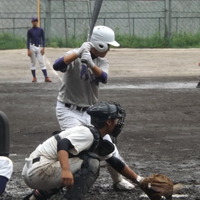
{"x": 84, "y": 62}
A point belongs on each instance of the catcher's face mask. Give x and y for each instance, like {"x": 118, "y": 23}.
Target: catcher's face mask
{"x": 121, "y": 114}
{"x": 103, "y": 111}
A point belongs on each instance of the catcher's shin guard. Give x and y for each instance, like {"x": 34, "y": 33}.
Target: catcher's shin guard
{"x": 84, "y": 178}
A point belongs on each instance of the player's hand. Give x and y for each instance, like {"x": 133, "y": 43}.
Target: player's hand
{"x": 67, "y": 178}
{"x": 86, "y": 58}
{"x": 86, "y": 46}
{"x": 29, "y": 52}
{"x": 42, "y": 51}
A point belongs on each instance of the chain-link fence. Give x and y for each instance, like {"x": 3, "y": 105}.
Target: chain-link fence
{"x": 68, "y": 18}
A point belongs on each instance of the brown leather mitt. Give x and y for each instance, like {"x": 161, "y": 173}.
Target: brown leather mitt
{"x": 157, "y": 187}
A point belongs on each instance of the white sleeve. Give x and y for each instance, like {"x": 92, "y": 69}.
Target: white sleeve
{"x": 81, "y": 140}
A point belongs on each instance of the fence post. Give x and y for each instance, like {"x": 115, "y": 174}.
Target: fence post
{"x": 48, "y": 20}
{"x": 65, "y": 23}
{"x": 38, "y": 12}
{"x": 167, "y": 19}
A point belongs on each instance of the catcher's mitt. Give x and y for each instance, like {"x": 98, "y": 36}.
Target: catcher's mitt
{"x": 157, "y": 187}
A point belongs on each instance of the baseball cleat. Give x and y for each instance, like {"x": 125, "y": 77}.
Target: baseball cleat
{"x": 34, "y": 79}
{"x": 48, "y": 80}
{"x": 124, "y": 185}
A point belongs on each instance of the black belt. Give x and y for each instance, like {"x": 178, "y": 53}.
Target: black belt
{"x": 81, "y": 109}
{"x": 37, "y": 45}
{"x": 36, "y": 160}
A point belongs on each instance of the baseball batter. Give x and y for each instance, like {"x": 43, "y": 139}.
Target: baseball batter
{"x": 83, "y": 70}
{"x": 36, "y": 49}
{"x": 71, "y": 158}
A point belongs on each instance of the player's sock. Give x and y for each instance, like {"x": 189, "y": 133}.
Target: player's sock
{"x": 45, "y": 73}
{"x": 33, "y": 73}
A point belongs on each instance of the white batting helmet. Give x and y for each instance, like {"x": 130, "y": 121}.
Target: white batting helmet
{"x": 101, "y": 37}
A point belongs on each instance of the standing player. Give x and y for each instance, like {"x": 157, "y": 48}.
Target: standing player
{"x": 71, "y": 158}
{"x": 36, "y": 49}
{"x": 84, "y": 69}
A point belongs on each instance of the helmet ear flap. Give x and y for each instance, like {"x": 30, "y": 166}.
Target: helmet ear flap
{"x": 100, "y": 46}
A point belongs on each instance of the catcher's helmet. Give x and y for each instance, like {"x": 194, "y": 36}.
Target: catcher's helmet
{"x": 103, "y": 111}
{"x": 101, "y": 37}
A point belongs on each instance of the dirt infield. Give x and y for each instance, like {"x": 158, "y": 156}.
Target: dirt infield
{"x": 157, "y": 87}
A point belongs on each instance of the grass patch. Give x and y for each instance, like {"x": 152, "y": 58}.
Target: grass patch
{"x": 71, "y": 42}
{"x": 180, "y": 40}
{"x": 183, "y": 40}
{"x": 140, "y": 42}
{"x": 8, "y": 41}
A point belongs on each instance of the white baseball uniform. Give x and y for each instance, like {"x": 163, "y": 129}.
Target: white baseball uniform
{"x": 42, "y": 169}
{"x": 36, "y": 55}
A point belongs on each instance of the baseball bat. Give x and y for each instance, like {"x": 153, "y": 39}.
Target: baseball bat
{"x": 95, "y": 14}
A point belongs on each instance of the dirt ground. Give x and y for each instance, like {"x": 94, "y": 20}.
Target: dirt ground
{"x": 157, "y": 87}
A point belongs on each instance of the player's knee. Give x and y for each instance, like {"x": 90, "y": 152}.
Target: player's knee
{"x": 43, "y": 67}
{"x": 33, "y": 68}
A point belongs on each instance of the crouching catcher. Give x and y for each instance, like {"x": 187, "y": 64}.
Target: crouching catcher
{"x": 71, "y": 158}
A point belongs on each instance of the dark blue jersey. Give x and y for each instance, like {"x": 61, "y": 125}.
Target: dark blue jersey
{"x": 35, "y": 36}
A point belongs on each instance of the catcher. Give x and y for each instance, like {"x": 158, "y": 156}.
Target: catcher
{"x": 71, "y": 159}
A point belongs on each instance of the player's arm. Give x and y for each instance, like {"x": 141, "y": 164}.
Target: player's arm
{"x": 122, "y": 168}
{"x": 62, "y": 63}
{"x": 63, "y": 147}
{"x": 42, "y": 42}
{"x": 28, "y": 43}
{"x": 100, "y": 75}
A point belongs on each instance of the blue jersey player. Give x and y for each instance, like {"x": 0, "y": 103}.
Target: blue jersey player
{"x": 36, "y": 49}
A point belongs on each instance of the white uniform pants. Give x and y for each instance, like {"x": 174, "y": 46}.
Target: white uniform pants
{"x": 69, "y": 118}
{"x": 45, "y": 174}
{"x": 36, "y": 54}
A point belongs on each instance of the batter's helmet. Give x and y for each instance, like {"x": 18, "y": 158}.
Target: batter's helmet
{"x": 101, "y": 37}
{"x": 103, "y": 111}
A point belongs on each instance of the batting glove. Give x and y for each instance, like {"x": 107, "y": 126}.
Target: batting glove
{"x": 86, "y": 58}
{"x": 86, "y": 46}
